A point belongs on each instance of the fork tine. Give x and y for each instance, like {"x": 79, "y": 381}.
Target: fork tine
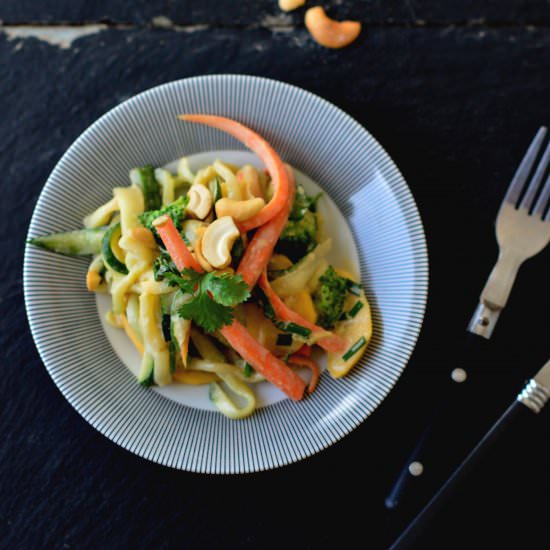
{"x": 529, "y": 196}
{"x": 543, "y": 200}
{"x": 522, "y": 173}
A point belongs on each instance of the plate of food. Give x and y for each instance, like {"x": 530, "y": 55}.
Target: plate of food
{"x": 225, "y": 274}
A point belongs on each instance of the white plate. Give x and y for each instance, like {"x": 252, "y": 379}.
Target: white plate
{"x": 320, "y": 141}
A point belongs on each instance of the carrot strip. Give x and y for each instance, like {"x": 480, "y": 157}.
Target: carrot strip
{"x": 259, "y": 145}
{"x": 260, "y": 249}
{"x": 305, "y": 351}
{"x": 175, "y": 245}
{"x": 329, "y": 342}
{"x": 310, "y": 364}
{"x": 269, "y": 366}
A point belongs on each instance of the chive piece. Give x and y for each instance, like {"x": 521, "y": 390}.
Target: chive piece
{"x": 354, "y": 288}
{"x": 248, "y": 369}
{"x": 294, "y": 329}
{"x": 284, "y": 340}
{"x": 355, "y": 348}
{"x": 353, "y": 311}
{"x": 288, "y": 326}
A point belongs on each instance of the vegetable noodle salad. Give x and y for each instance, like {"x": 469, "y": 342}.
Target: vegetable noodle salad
{"x": 220, "y": 277}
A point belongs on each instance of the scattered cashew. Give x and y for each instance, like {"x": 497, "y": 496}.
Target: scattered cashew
{"x": 198, "y": 250}
{"x": 217, "y": 241}
{"x": 249, "y": 179}
{"x": 289, "y": 5}
{"x": 200, "y": 201}
{"x": 239, "y": 210}
{"x": 328, "y": 32}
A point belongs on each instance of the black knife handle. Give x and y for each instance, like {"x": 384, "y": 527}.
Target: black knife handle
{"x": 515, "y": 412}
{"x": 448, "y": 401}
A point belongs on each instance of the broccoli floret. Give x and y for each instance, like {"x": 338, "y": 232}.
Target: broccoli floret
{"x": 176, "y": 210}
{"x": 303, "y": 203}
{"x": 298, "y": 237}
{"x": 329, "y": 298}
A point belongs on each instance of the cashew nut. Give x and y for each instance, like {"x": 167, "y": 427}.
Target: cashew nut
{"x": 217, "y": 241}
{"x": 289, "y": 5}
{"x": 250, "y": 182}
{"x": 239, "y": 210}
{"x": 328, "y": 32}
{"x": 198, "y": 250}
{"x": 200, "y": 201}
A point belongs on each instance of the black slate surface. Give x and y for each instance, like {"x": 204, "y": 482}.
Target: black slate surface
{"x": 253, "y": 12}
{"x": 455, "y": 103}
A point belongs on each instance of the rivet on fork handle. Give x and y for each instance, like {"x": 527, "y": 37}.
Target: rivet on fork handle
{"x": 484, "y": 320}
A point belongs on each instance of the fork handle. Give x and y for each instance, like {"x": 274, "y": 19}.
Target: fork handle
{"x": 500, "y": 282}
{"x": 495, "y": 294}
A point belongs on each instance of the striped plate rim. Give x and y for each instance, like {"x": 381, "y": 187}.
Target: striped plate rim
{"x": 319, "y": 139}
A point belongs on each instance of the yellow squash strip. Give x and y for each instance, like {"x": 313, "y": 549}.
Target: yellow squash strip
{"x": 206, "y": 347}
{"x": 130, "y": 333}
{"x": 184, "y": 172}
{"x": 231, "y": 188}
{"x": 194, "y": 378}
{"x": 225, "y": 404}
{"x": 204, "y": 365}
{"x": 167, "y": 184}
{"x": 93, "y": 277}
{"x": 102, "y": 215}
{"x": 302, "y": 304}
{"x": 113, "y": 319}
{"x": 353, "y": 330}
{"x": 279, "y": 262}
{"x": 204, "y": 175}
{"x": 153, "y": 340}
{"x": 180, "y": 328}
{"x": 93, "y": 280}
{"x": 132, "y": 315}
{"x": 250, "y": 182}
{"x": 122, "y": 284}
{"x": 143, "y": 236}
{"x": 130, "y": 202}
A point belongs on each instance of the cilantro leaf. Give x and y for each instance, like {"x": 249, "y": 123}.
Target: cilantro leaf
{"x": 207, "y": 313}
{"x": 213, "y": 296}
{"x": 191, "y": 279}
{"x": 226, "y": 289}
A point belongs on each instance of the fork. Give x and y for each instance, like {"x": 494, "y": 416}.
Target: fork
{"x": 522, "y": 231}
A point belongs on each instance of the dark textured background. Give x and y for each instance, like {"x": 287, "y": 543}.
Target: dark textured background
{"x": 454, "y": 91}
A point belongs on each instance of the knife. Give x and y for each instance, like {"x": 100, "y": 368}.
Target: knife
{"x": 532, "y": 399}
{"x": 522, "y": 231}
